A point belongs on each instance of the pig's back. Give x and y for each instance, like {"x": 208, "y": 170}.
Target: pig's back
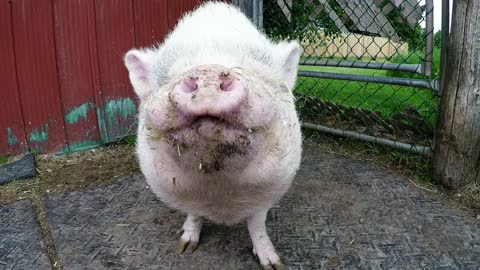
{"x": 215, "y": 33}
{"x": 217, "y": 22}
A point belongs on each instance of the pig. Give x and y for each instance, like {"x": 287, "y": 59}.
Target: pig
{"x": 218, "y": 134}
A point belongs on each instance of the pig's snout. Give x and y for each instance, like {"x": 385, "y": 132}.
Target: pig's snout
{"x": 209, "y": 91}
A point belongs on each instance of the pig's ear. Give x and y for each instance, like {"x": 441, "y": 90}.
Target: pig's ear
{"x": 140, "y": 64}
{"x": 288, "y": 56}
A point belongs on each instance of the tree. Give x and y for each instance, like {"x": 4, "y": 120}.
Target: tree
{"x": 456, "y": 160}
{"x": 301, "y": 26}
{"x": 413, "y": 35}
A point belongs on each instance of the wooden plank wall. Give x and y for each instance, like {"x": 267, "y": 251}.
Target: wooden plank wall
{"x": 75, "y": 72}
{"x": 64, "y": 85}
{"x": 12, "y": 128}
{"x": 38, "y": 86}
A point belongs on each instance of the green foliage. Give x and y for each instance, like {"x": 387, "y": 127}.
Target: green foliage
{"x": 129, "y": 140}
{"x": 301, "y": 26}
{"x": 437, "y": 39}
{"x": 416, "y": 58}
{"x": 3, "y": 159}
{"x": 414, "y": 36}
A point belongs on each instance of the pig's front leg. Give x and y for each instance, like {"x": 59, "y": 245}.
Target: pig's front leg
{"x": 262, "y": 246}
{"x": 191, "y": 234}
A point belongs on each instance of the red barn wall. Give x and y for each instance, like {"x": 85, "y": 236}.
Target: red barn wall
{"x": 64, "y": 87}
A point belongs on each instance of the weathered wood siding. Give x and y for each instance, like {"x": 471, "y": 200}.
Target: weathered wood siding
{"x": 456, "y": 160}
{"x": 64, "y": 85}
{"x": 354, "y": 46}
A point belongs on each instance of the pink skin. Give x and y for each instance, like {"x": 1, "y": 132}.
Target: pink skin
{"x": 188, "y": 85}
{"x": 208, "y": 94}
{"x": 208, "y": 99}
{"x": 221, "y": 127}
{"x": 218, "y": 141}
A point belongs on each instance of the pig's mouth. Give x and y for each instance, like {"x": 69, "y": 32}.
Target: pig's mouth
{"x": 215, "y": 121}
{"x": 206, "y": 131}
{"x": 209, "y": 118}
{"x": 206, "y": 143}
{"x": 213, "y": 128}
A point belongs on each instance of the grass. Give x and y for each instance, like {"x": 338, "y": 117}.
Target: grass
{"x": 416, "y": 58}
{"x": 3, "y": 159}
{"x": 129, "y": 140}
{"x": 358, "y": 71}
{"x": 386, "y": 99}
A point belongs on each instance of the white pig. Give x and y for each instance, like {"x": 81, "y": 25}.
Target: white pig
{"x": 218, "y": 134}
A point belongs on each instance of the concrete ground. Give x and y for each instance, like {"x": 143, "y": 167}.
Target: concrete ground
{"x": 339, "y": 214}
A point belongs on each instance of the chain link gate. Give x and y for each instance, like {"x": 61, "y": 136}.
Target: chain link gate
{"x": 369, "y": 70}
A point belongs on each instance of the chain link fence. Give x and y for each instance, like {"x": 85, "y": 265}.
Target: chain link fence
{"x": 369, "y": 68}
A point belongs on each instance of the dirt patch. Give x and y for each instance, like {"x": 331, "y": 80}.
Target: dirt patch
{"x": 468, "y": 196}
{"x": 51, "y": 250}
{"x": 60, "y": 173}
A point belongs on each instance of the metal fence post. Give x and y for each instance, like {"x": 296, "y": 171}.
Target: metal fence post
{"x": 427, "y": 71}
{"x": 253, "y": 9}
{"x": 444, "y": 43}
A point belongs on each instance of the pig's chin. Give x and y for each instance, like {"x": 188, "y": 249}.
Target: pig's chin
{"x": 209, "y": 144}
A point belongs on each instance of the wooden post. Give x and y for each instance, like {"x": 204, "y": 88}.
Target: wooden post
{"x": 456, "y": 160}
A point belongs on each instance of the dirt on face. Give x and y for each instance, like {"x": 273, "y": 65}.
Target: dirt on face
{"x": 60, "y": 173}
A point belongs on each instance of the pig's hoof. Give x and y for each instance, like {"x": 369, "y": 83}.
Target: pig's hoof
{"x": 275, "y": 266}
{"x": 188, "y": 242}
{"x": 186, "y": 247}
{"x": 269, "y": 260}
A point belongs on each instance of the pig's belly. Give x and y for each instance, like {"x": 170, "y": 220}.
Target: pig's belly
{"x": 222, "y": 201}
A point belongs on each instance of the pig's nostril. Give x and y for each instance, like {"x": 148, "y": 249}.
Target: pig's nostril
{"x": 189, "y": 86}
{"x": 227, "y": 86}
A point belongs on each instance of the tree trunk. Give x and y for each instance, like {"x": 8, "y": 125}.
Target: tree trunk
{"x": 456, "y": 160}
